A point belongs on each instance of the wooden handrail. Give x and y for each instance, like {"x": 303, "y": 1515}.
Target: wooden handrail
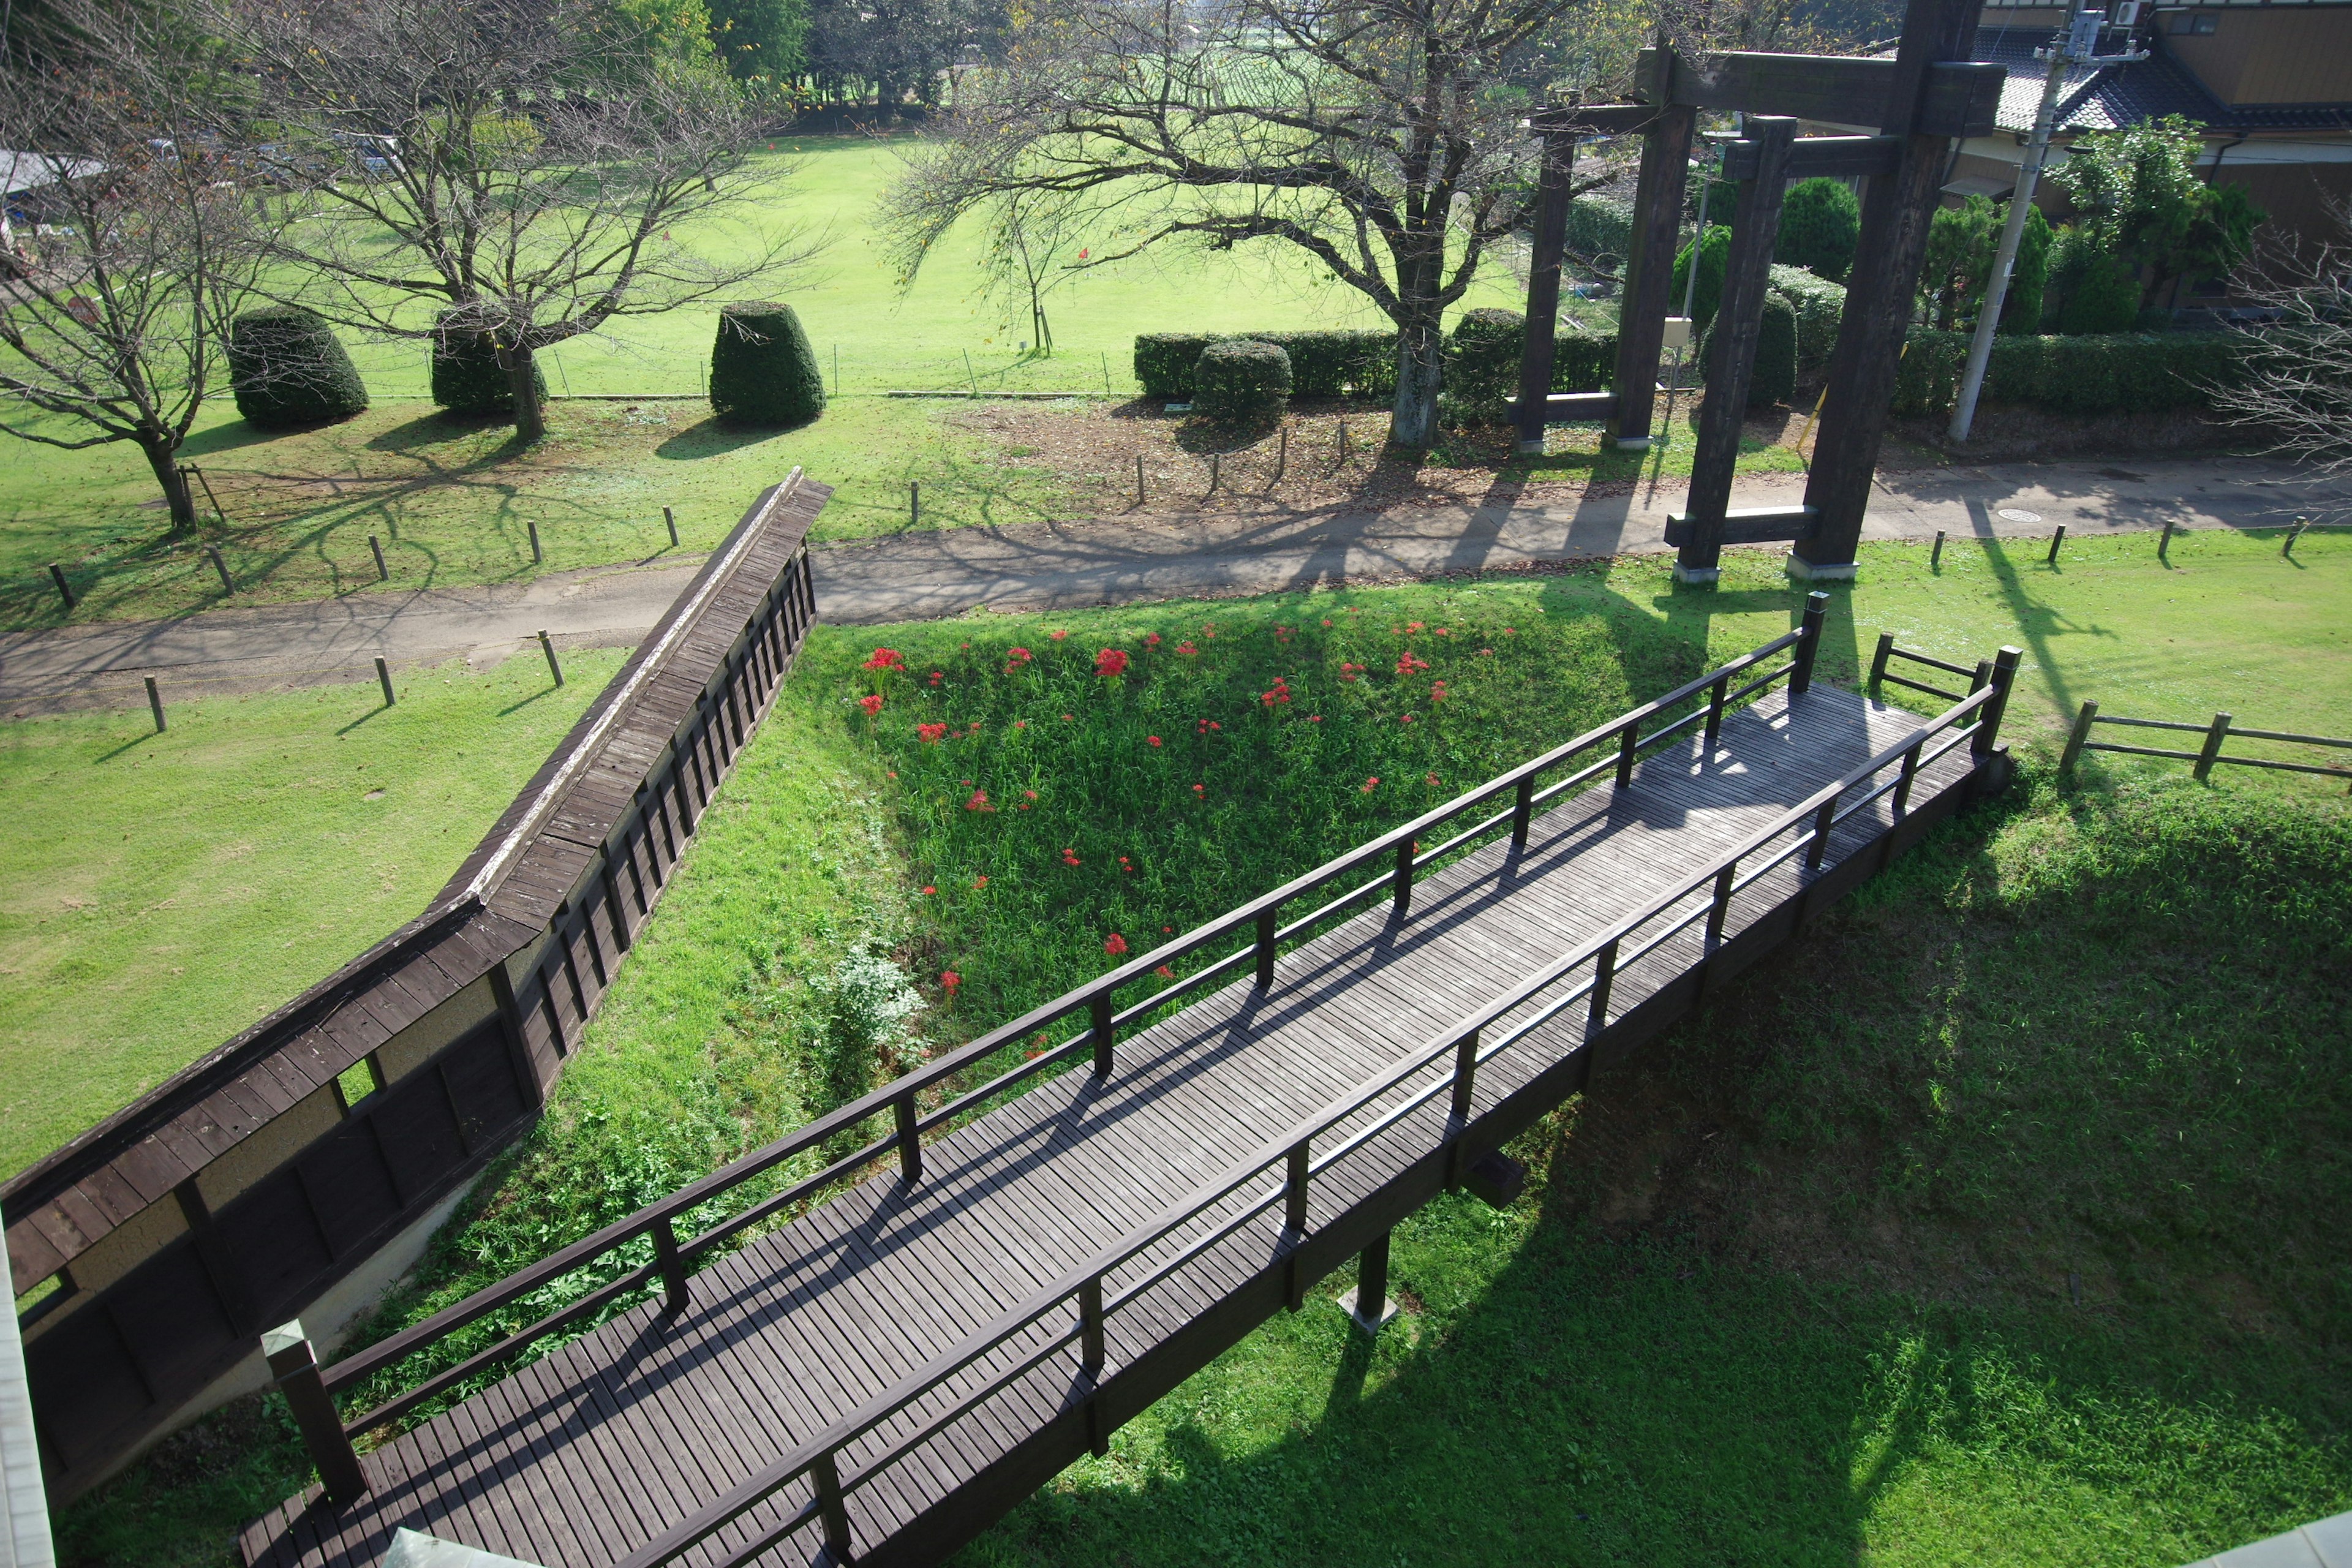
{"x": 1285, "y": 1149}
{"x": 2223, "y": 728}
{"x": 355, "y": 1369}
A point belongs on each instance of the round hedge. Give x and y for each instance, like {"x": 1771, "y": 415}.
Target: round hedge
{"x": 1236, "y": 380}
{"x": 287, "y": 368}
{"x": 763, "y": 369}
{"x": 1774, "y": 378}
{"x": 1820, "y": 224}
{"x": 466, "y": 375}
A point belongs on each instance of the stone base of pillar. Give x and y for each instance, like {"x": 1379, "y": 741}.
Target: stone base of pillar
{"x": 1370, "y": 1325}
{"x": 1697, "y": 576}
{"x": 1631, "y": 443}
{"x": 1805, "y": 571}
{"x": 1531, "y": 447}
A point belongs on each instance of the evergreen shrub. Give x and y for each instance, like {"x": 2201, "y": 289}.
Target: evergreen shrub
{"x": 1322, "y": 364}
{"x": 466, "y": 375}
{"x": 1482, "y": 362}
{"x": 1820, "y": 305}
{"x": 2029, "y": 279}
{"x": 1820, "y": 222}
{"x": 1715, "y": 254}
{"x": 2108, "y": 372}
{"x": 1774, "y": 378}
{"x": 287, "y": 368}
{"x": 1239, "y": 380}
{"x": 762, "y": 368}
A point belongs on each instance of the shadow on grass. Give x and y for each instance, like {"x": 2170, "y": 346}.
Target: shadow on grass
{"x": 709, "y": 438}
{"x": 231, "y": 437}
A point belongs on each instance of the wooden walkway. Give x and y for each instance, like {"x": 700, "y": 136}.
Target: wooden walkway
{"x": 580, "y": 1459}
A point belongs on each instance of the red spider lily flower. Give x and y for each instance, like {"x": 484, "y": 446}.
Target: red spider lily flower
{"x": 1327, "y": 620}
{"x": 1511, "y": 631}
{"x": 1058, "y": 637}
{"x": 1414, "y": 625}
{"x": 1029, "y": 794}
{"x": 1187, "y": 649}
{"x": 1438, "y": 693}
{"x": 890, "y": 775}
{"x": 872, "y": 705}
{"x": 936, "y": 677}
{"x": 1069, "y": 856}
{"x": 1315, "y": 718}
{"x": 978, "y": 884}
{"x": 1349, "y": 671}
{"x": 1151, "y": 640}
{"x": 1165, "y": 973}
{"x": 929, "y": 891}
{"x": 1443, "y": 633}
{"x": 1279, "y": 695}
{"x": 1431, "y": 781}
{"x": 1065, "y": 718}
{"x": 966, "y": 782}
{"x": 1020, "y": 723}
{"x": 1151, "y": 739}
{"x": 1114, "y": 945}
{"x": 1015, "y": 659}
{"x": 885, "y": 659}
{"x": 1200, "y": 789}
{"x": 1485, "y": 653}
{"x": 950, "y": 979}
{"x": 1110, "y": 662}
{"x": 1368, "y": 787}
{"x": 1408, "y": 665}
{"x": 932, "y": 733}
{"x": 966, "y": 647}
{"x": 975, "y": 726}
{"x": 1404, "y": 719}
{"x": 978, "y": 802}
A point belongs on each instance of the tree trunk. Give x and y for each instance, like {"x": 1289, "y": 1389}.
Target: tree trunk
{"x": 522, "y": 379}
{"x": 1413, "y": 422}
{"x": 163, "y": 457}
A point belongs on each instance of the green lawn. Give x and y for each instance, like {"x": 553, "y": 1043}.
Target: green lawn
{"x": 163, "y": 892}
{"x": 1796, "y": 1290}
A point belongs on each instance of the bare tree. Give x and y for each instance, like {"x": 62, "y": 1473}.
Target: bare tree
{"x": 523, "y": 170}
{"x": 2298, "y": 383}
{"x": 1381, "y": 137}
{"x": 1030, "y": 253}
{"x": 115, "y": 309}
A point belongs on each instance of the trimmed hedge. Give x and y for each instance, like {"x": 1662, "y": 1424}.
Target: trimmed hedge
{"x": 1322, "y": 364}
{"x": 1820, "y": 222}
{"x": 1820, "y": 305}
{"x": 1481, "y": 361}
{"x": 1714, "y": 249}
{"x": 1240, "y": 380}
{"x": 762, "y": 368}
{"x": 287, "y": 368}
{"x": 1774, "y": 378}
{"x": 2108, "y": 372}
{"x": 466, "y": 375}
{"x": 1598, "y": 227}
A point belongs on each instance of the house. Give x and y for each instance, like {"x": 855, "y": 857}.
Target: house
{"x": 2270, "y": 80}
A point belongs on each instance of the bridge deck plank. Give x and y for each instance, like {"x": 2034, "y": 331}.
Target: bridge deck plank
{"x": 572, "y": 1461}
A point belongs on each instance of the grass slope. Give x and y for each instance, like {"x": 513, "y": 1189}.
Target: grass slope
{"x": 163, "y": 892}
{"x": 1658, "y": 1345}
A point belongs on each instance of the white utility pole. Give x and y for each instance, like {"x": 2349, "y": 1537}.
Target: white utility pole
{"x": 2077, "y": 44}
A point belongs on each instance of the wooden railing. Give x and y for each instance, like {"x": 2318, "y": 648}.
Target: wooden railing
{"x": 1074, "y": 1310}
{"x": 1880, "y": 675}
{"x": 1620, "y": 743}
{"x": 2207, "y": 756}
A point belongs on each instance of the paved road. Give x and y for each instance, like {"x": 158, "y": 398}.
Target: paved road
{"x": 1060, "y": 565}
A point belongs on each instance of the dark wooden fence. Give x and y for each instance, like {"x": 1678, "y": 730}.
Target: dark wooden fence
{"x": 2208, "y": 755}
{"x": 155, "y": 1247}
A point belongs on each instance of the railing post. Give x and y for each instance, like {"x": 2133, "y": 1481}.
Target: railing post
{"x": 1714, "y": 700}
{"x": 1809, "y": 641}
{"x": 1824, "y": 819}
{"x": 910, "y": 1139}
{"x": 296, "y": 1368}
{"x": 1983, "y": 678}
{"x": 2077, "y": 737}
{"x": 827, "y": 1473}
{"x": 1720, "y": 910}
{"x": 1523, "y": 811}
{"x": 2004, "y": 674}
{"x": 2212, "y": 747}
{"x": 1878, "y": 659}
{"x": 1090, "y": 1326}
{"x": 1403, "y": 881}
{"x": 1604, "y": 975}
{"x": 1629, "y": 741}
{"x": 1294, "y": 1197}
{"x": 673, "y": 1269}
{"x": 1098, "y": 1006}
{"x": 1466, "y": 1065}
{"x": 1910, "y": 773}
{"x": 1265, "y": 928}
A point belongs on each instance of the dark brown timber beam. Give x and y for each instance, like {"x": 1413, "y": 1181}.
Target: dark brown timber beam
{"x": 1960, "y": 98}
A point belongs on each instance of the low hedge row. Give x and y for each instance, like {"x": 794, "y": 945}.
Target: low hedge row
{"x": 1481, "y": 361}
{"x": 2108, "y": 372}
{"x": 1819, "y": 304}
{"x": 1322, "y": 364}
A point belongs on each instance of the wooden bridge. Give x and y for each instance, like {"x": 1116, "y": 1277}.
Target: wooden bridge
{"x": 886, "y": 1374}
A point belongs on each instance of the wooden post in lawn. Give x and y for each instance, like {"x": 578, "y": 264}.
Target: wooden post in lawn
{"x": 64, "y": 589}
{"x": 1738, "y": 322}
{"x": 155, "y": 704}
{"x": 1895, "y": 211}
{"x": 1650, "y": 259}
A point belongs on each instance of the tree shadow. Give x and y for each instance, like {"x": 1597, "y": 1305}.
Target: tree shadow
{"x": 439, "y": 426}
{"x": 709, "y": 438}
{"x": 234, "y": 435}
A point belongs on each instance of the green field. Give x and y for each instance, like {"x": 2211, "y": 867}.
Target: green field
{"x": 1992, "y": 1226}
{"x": 163, "y": 893}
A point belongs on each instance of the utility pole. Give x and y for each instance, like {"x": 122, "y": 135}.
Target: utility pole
{"x": 2077, "y": 44}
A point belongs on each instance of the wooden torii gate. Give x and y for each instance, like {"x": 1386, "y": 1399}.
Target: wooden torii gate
{"x": 1923, "y": 100}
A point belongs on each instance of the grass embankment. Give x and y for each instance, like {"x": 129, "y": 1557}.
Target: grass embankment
{"x": 163, "y": 892}
{"x": 1681, "y": 1383}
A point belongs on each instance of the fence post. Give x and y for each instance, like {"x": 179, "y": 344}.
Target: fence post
{"x": 1090, "y": 1326}
{"x": 1903, "y": 780}
{"x": 1098, "y": 1005}
{"x": 1824, "y": 820}
{"x": 213, "y": 554}
{"x": 296, "y": 1369}
{"x": 2004, "y": 675}
{"x": 532, "y": 524}
{"x": 1281, "y": 458}
{"x": 64, "y": 589}
{"x": 1466, "y": 1065}
{"x": 1523, "y": 811}
{"x": 1716, "y": 696}
{"x": 2078, "y": 736}
{"x": 1936, "y": 556}
{"x": 1604, "y": 975}
{"x": 673, "y": 1270}
{"x": 1878, "y": 659}
{"x": 1266, "y": 927}
{"x": 384, "y": 678}
{"x": 2056, "y": 540}
{"x": 670, "y": 520}
{"x": 1809, "y": 642}
{"x": 547, "y": 647}
{"x": 2286, "y": 551}
{"x": 1629, "y": 740}
{"x": 914, "y": 503}
{"x": 155, "y": 704}
{"x": 2212, "y": 748}
{"x": 1401, "y": 881}
{"x": 1294, "y": 1193}
{"x": 2163, "y": 542}
{"x": 910, "y": 1139}
{"x": 1719, "y": 910}
{"x": 383, "y": 571}
{"x": 1139, "y": 479}
{"x": 826, "y": 1472}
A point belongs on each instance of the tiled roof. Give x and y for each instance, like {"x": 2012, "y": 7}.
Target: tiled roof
{"x": 2103, "y": 98}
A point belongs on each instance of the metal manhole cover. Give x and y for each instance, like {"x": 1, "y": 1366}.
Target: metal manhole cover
{"x": 2017, "y": 514}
